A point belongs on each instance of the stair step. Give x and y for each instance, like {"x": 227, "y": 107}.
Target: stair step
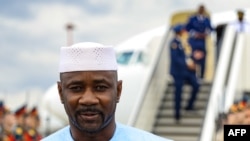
{"x": 183, "y": 121}
{"x": 188, "y": 89}
{"x": 190, "y": 130}
{"x": 170, "y": 104}
{"x": 189, "y": 126}
{"x": 170, "y": 112}
{"x": 208, "y": 84}
{"x": 180, "y": 138}
{"x": 185, "y": 96}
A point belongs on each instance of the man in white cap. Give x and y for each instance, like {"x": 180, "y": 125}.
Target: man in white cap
{"x": 89, "y": 91}
{"x": 241, "y": 25}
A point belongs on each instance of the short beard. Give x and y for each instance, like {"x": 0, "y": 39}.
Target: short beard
{"x": 104, "y": 124}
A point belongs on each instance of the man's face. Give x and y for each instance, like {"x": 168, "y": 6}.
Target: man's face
{"x": 30, "y": 122}
{"x": 9, "y": 122}
{"x": 247, "y": 115}
{"x": 201, "y": 10}
{"x": 240, "y": 16}
{"x": 90, "y": 98}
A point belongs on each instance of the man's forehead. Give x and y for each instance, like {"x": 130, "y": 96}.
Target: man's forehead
{"x": 93, "y": 74}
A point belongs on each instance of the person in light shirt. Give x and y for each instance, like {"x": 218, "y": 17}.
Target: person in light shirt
{"x": 241, "y": 25}
{"x": 89, "y": 89}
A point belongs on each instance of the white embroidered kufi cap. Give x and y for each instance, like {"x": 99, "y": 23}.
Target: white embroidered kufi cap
{"x": 87, "y": 56}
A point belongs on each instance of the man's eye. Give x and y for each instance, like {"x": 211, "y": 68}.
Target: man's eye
{"x": 75, "y": 88}
{"x": 101, "y": 88}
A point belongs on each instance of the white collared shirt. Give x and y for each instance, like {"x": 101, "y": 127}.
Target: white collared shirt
{"x": 241, "y": 26}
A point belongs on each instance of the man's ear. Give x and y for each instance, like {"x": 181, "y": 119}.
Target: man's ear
{"x": 119, "y": 90}
{"x": 59, "y": 87}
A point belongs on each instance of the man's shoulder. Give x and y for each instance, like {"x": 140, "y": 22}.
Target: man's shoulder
{"x": 138, "y": 134}
{"x": 174, "y": 40}
{"x": 175, "y": 44}
{"x": 62, "y": 134}
{"x": 195, "y": 17}
{"x": 192, "y": 17}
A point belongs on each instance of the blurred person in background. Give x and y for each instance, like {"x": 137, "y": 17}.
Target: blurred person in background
{"x": 241, "y": 25}
{"x": 32, "y": 122}
{"x": 247, "y": 115}
{"x": 2, "y": 113}
{"x": 182, "y": 69}
{"x": 9, "y": 123}
{"x": 199, "y": 27}
{"x": 239, "y": 114}
{"x": 20, "y": 116}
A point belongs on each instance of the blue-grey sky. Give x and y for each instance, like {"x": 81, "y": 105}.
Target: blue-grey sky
{"x": 33, "y": 31}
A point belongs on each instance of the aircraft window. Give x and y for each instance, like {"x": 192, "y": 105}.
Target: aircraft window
{"x": 143, "y": 58}
{"x": 124, "y": 57}
{"x": 140, "y": 57}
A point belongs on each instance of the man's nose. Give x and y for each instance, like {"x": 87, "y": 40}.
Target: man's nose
{"x": 88, "y": 98}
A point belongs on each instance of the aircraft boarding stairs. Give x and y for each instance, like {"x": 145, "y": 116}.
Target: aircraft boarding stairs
{"x": 228, "y": 81}
{"x": 189, "y": 127}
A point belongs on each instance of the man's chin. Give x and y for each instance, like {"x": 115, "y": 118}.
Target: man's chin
{"x": 91, "y": 130}
{"x": 90, "y": 127}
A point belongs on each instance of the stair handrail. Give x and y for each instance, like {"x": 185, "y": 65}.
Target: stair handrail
{"x": 137, "y": 108}
{"x": 218, "y": 86}
{"x": 234, "y": 71}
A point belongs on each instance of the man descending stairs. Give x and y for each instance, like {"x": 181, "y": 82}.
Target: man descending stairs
{"x": 190, "y": 125}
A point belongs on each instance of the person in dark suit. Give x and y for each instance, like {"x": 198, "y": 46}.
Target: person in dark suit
{"x": 182, "y": 69}
{"x": 199, "y": 27}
